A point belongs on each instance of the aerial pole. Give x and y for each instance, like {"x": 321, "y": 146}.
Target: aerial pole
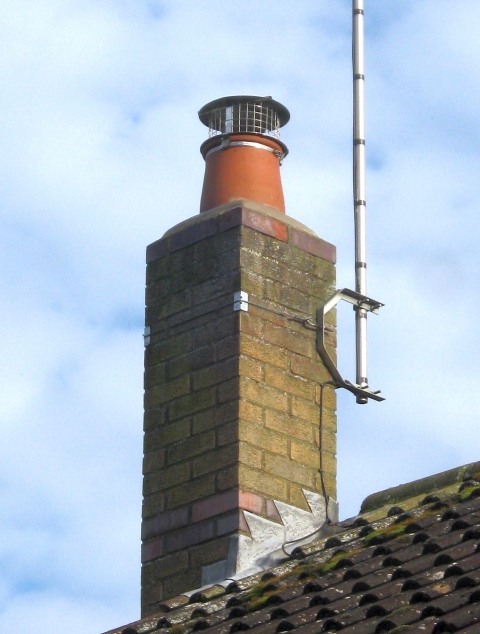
{"x": 362, "y": 304}
{"x": 359, "y": 191}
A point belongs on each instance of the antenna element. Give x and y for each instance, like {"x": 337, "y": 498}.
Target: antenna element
{"x": 359, "y": 189}
{"x": 361, "y": 303}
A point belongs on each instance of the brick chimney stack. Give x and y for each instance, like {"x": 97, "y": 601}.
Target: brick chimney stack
{"x": 232, "y": 383}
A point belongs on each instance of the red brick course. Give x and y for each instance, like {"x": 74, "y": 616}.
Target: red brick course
{"x": 234, "y": 218}
{"x": 194, "y": 524}
{"x": 215, "y": 505}
{"x": 168, "y": 521}
{"x": 315, "y": 246}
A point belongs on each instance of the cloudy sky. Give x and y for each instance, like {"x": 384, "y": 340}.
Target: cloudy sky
{"x": 98, "y": 128}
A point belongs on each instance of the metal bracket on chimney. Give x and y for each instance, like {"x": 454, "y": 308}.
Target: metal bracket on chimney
{"x": 146, "y": 336}
{"x": 240, "y": 301}
{"x": 358, "y": 301}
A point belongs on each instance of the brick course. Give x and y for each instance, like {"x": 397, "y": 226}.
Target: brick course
{"x": 231, "y": 400}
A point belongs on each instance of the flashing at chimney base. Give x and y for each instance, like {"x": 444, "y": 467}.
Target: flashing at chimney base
{"x": 261, "y": 551}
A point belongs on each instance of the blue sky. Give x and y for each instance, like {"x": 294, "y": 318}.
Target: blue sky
{"x": 98, "y": 129}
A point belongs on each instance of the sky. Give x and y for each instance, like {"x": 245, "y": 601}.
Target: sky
{"x": 99, "y": 156}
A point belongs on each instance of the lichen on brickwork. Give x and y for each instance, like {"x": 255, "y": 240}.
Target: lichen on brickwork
{"x": 231, "y": 399}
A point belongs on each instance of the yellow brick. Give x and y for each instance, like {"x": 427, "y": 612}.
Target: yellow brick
{"x": 275, "y": 270}
{"x": 215, "y": 330}
{"x": 289, "y": 339}
{"x": 278, "y": 320}
{"x": 251, "y": 325}
{"x": 274, "y": 355}
{"x": 208, "y": 553}
{"x": 195, "y": 490}
{"x": 329, "y": 397}
{"x": 263, "y": 395}
{"x": 171, "y": 564}
{"x": 263, "y": 438}
{"x": 252, "y": 284}
{"x": 331, "y": 348}
{"x": 250, "y": 455}
{"x": 154, "y": 375}
{"x": 191, "y": 403}
{"x": 313, "y": 370}
{"x": 253, "y": 241}
{"x": 251, "y": 368}
{"x": 331, "y": 343}
{"x": 167, "y": 391}
{"x": 173, "y": 304}
{"x": 227, "y": 478}
{"x": 250, "y": 412}
{"x": 329, "y": 461}
{"x": 153, "y": 504}
{"x": 297, "y": 498}
{"x": 214, "y": 417}
{"x": 178, "y": 583}
{"x": 305, "y": 410}
{"x": 189, "y": 447}
{"x": 329, "y": 440}
{"x": 195, "y": 360}
{"x": 227, "y": 434}
{"x": 203, "y": 421}
{"x": 226, "y": 348}
{"x": 288, "y": 383}
{"x": 228, "y": 390}
{"x": 215, "y": 460}
{"x": 164, "y": 436}
{"x": 305, "y": 454}
{"x": 251, "y": 261}
{"x": 330, "y": 485}
{"x": 157, "y": 270}
{"x": 330, "y": 420}
{"x": 329, "y": 467}
{"x": 215, "y": 374}
{"x": 151, "y": 595}
{"x": 293, "y": 427}
{"x": 155, "y": 352}
{"x": 290, "y": 470}
{"x": 161, "y": 480}
{"x": 153, "y": 460}
{"x": 154, "y": 417}
{"x": 261, "y": 482}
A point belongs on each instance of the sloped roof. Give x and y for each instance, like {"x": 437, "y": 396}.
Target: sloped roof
{"x": 409, "y": 563}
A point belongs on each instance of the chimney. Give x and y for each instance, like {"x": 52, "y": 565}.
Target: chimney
{"x": 234, "y": 436}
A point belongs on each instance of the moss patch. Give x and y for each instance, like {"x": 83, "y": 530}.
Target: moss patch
{"x": 389, "y": 532}
{"x": 466, "y": 493}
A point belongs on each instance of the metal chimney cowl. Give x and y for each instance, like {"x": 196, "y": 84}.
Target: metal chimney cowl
{"x": 243, "y": 153}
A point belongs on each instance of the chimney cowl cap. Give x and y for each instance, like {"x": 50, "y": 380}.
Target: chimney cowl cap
{"x": 281, "y": 111}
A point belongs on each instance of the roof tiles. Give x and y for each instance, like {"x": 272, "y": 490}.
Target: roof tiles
{"x": 411, "y": 567}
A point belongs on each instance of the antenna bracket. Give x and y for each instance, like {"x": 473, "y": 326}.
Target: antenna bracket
{"x": 359, "y": 302}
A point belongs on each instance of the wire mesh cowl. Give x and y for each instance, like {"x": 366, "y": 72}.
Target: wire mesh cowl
{"x": 254, "y": 118}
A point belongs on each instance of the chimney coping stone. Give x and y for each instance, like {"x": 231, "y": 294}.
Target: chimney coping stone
{"x": 241, "y": 212}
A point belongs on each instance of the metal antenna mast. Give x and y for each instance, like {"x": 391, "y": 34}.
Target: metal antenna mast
{"x": 359, "y": 190}
{"x": 361, "y": 303}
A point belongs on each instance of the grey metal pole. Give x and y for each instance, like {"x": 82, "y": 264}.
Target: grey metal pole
{"x": 359, "y": 190}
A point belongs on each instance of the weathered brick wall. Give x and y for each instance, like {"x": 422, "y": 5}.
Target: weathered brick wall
{"x": 281, "y": 372}
{"x": 231, "y": 398}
